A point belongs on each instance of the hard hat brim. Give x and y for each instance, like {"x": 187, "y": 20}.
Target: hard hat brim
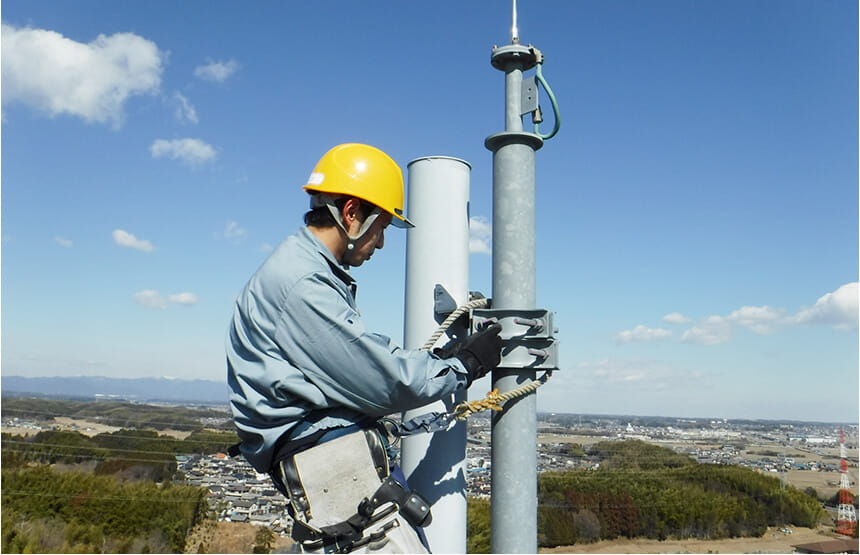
{"x": 401, "y": 222}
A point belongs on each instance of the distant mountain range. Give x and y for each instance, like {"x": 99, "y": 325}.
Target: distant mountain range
{"x": 132, "y": 389}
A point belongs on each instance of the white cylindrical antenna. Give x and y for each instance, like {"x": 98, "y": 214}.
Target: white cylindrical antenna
{"x": 515, "y": 33}
{"x": 437, "y": 254}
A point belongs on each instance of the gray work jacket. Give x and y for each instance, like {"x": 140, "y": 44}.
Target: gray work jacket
{"x": 297, "y": 344}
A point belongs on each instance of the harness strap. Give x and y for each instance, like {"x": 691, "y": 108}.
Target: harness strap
{"x": 295, "y": 491}
{"x": 429, "y": 423}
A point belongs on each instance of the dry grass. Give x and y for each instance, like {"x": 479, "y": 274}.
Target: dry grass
{"x": 826, "y": 484}
{"x": 773, "y": 541}
{"x": 228, "y": 537}
{"x": 86, "y": 427}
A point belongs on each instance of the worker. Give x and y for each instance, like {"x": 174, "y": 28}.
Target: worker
{"x": 309, "y": 382}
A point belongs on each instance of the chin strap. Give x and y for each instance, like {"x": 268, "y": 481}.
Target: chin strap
{"x": 322, "y": 199}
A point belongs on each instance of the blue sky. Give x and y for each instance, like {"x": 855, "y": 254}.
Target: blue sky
{"x": 697, "y": 213}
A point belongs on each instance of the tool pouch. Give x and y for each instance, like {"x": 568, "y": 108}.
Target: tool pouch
{"x": 340, "y": 492}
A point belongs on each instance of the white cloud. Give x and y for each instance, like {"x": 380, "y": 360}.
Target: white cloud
{"x": 56, "y": 75}
{"x": 126, "y": 239}
{"x": 837, "y": 309}
{"x": 216, "y": 71}
{"x": 480, "y": 235}
{"x": 614, "y": 371}
{"x": 234, "y": 232}
{"x": 760, "y": 319}
{"x": 183, "y": 298}
{"x": 190, "y": 151}
{"x": 151, "y": 298}
{"x": 185, "y": 111}
{"x": 266, "y": 247}
{"x": 712, "y": 331}
{"x": 63, "y": 242}
{"x": 633, "y": 373}
{"x": 641, "y": 333}
{"x": 676, "y": 318}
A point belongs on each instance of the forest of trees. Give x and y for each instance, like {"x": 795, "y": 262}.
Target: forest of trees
{"x": 44, "y": 511}
{"x": 127, "y": 504}
{"x": 697, "y": 501}
{"x": 642, "y": 490}
{"x": 115, "y": 493}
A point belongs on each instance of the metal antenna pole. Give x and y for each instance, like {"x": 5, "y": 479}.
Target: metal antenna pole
{"x": 527, "y": 333}
{"x": 514, "y": 430}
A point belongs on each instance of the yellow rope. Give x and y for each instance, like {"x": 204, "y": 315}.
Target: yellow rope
{"x": 494, "y": 399}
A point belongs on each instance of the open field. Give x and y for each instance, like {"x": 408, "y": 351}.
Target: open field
{"x": 826, "y": 484}
{"x": 86, "y": 427}
{"x": 773, "y": 541}
{"x": 585, "y": 441}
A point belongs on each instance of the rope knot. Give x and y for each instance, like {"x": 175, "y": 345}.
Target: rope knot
{"x": 467, "y": 408}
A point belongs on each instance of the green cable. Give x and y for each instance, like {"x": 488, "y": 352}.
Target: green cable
{"x": 542, "y": 81}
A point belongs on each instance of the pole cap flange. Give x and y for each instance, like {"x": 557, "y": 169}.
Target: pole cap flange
{"x": 498, "y": 140}
{"x": 513, "y": 54}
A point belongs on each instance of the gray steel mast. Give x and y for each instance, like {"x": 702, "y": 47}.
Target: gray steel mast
{"x": 514, "y": 430}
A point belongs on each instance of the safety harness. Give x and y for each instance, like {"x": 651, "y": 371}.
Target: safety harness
{"x": 348, "y": 535}
{"x": 319, "y": 518}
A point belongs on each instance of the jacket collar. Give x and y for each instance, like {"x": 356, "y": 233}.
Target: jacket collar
{"x": 336, "y": 269}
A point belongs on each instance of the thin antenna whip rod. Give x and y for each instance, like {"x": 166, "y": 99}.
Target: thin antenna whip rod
{"x": 515, "y": 33}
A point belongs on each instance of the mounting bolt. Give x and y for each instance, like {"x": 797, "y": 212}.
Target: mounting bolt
{"x": 536, "y": 323}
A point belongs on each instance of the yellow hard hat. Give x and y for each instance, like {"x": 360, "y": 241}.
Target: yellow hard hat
{"x": 364, "y": 172}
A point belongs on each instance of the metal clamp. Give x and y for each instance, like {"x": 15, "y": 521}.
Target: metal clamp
{"x": 539, "y": 354}
{"x": 528, "y": 336}
{"x": 517, "y": 324}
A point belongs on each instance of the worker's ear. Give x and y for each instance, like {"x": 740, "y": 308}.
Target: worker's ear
{"x": 350, "y": 213}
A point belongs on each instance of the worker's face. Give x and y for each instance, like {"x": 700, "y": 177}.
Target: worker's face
{"x": 372, "y": 240}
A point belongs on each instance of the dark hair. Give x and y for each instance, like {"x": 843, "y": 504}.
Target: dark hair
{"x": 321, "y": 216}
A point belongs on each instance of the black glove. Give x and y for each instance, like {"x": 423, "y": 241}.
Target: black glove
{"x": 479, "y": 352}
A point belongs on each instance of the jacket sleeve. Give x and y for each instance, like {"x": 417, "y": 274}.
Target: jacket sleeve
{"x": 325, "y": 337}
